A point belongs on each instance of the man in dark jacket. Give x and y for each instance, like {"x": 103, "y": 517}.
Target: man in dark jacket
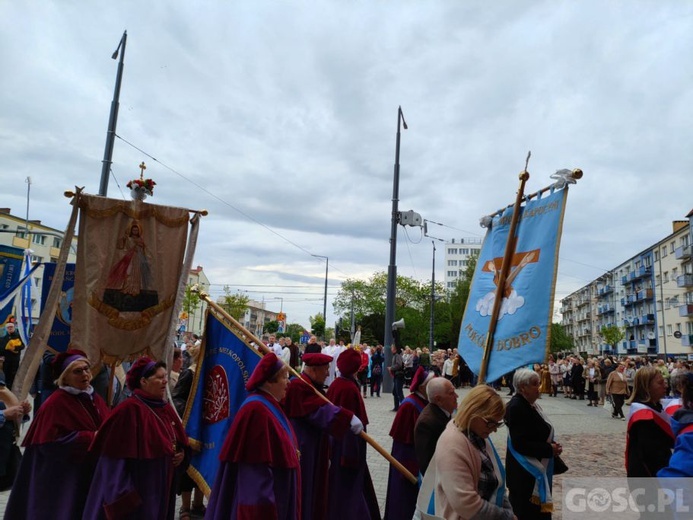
{"x": 11, "y": 347}
{"x": 442, "y": 402}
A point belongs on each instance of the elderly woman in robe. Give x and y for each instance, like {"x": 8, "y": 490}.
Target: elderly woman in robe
{"x": 139, "y": 446}
{"x": 56, "y": 470}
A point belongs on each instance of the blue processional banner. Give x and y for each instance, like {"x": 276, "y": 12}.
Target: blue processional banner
{"x": 226, "y": 363}
{"x": 11, "y": 259}
{"x": 59, "y": 338}
{"x": 523, "y": 329}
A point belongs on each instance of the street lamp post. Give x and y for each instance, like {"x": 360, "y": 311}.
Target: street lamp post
{"x": 113, "y": 118}
{"x": 324, "y": 300}
{"x": 433, "y": 297}
{"x": 392, "y": 267}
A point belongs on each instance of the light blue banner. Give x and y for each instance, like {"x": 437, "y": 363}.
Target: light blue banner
{"x": 524, "y": 322}
{"x": 218, "y": 392}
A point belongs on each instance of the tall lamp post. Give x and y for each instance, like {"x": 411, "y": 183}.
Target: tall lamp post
{"x": 324, "y": 300}
{"x": 392, "y": 267}
{"x": 433, "y": 297}
{"x": 113, "y": 118}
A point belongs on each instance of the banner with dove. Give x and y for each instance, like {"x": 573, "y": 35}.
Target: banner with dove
{"x": 524, "y": 323}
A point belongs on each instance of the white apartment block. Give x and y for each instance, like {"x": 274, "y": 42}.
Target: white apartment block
{"x": 649, "y": 296}
{"x": 457, "y": 254}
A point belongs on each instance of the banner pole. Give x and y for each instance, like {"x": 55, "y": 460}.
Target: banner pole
{"x": 504, "y": 272}
{"x": 264, "y": 350}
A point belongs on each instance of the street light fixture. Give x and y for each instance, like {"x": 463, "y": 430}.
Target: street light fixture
{"x": 324, "y": 301}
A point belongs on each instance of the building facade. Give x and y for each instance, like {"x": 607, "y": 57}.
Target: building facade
{"x": 649, "y": 297}
{"x": 43, "y": 241}
{"x": 194, "y": 322}
{"x": 457, "y": 255}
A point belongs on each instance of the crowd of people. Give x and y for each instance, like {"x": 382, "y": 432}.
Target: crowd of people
{"x": 296, "y": 449}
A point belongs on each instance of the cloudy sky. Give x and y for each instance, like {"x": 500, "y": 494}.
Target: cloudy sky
{"x": 280, "y": 119}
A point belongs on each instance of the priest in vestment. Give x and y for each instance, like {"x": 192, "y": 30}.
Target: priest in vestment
{"x": 56, "y": 470}
{"x": 348, "y": 469}
{"x": 401, "y": 496}
{"x": 260, "y": 474}
{"x": 314, "y": 421}
{"x": 139, "y": 446}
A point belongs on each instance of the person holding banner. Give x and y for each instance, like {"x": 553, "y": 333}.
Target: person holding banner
{"x": 348, "y": 469}
{"x": 140, "y": 446}
{"x": 532, "y": 456}
{"x": 259, "y": 475}
{"x": 314, "y": 421}
{"x": 401, "y": 493}
{"x": 649, "y": 437}
{"x": 56, "y": 470}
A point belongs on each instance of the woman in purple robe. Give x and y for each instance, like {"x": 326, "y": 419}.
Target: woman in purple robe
{"x": 139, "y": 446}
{"x": 56, "y": 469}
{"x": 260, "y": 473}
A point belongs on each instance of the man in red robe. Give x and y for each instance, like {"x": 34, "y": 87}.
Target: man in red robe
{"x": 348, "y": 469}
{"x": 259, "y": 475}
{"x": 401, "y": 493}
{"x": 314, "y": 419}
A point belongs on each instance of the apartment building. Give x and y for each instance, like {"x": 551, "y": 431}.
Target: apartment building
{"x": 649, "y": 296}
{"x": 457, "y": 254}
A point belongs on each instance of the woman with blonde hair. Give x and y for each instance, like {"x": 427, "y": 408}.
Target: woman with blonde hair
{"x": 649, "y": 438}
{"x": 466, "y": 472}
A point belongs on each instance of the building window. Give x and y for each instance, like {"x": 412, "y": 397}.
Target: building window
{"x": 658, "y": 280}
{"x": 452, "y": 263}
{"x": 666, "y": 276}
{"x": 21, "y": 234}
{"x": 452, "y": 274}
{"x": 452, "y": 251}
{"x": 672, "y": 246}
{"x": 669, "y": 330}
{"x": 656, "y": 256}
{"x": 465, "y": 251}
{"x": 664, "y": 251}
{"x": 57, "y": 242}
{"x": 39, "y": 239}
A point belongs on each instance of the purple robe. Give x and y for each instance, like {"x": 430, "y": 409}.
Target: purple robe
{"x": 401, "y": 493}
{"x": 314, "y": 420}
{"x": 348, "y": 468}
{"x": 55, "y": 473}
{"x": 259, "y": 473}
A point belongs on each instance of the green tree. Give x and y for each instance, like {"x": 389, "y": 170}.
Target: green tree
{"x": 560, "y": 341}
{"x": 271, "y": 327}
{"x": 613, "y": 335}
{"x": 295, "y": 331}
{"x": 317, "y": 325}
{"x": 234, "y": 304}
{"x": 191, "y": 300}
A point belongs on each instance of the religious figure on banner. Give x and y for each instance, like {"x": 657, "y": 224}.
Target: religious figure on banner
{"x": 129, "y": 284}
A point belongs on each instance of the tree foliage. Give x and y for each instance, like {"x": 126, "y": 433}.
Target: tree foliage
{"x": 191, "y": 300}
{"x": 317, "y": 325}
{"x": 560, "y": 341}
{"x": 613, "y": 335}
{"x": 234, "y": 304}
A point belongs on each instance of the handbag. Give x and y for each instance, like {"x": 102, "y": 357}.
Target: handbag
{"x": 559, "y": 467}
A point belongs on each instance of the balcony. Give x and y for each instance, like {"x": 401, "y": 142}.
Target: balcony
{"x": 687, "y": 340}
{"x": 605, "y": 308}
{"x": 642, "y": 272}
{"x": 645, "y": 294}
{"x": 684, "y": 280}
{"x": 607, "y": 289}
{"x": 647, "y": 319}
{"x": 686, "y": 310}
{"x": 628, "y": 300}
{"x": 683, "y": 252}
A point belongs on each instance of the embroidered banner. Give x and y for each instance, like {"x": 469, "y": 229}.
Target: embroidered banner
{"x": 524, "y": 322}
{"x": 129, "y": 262}
{"x": 59, "y": 338}
{"x": 218, "y": 390}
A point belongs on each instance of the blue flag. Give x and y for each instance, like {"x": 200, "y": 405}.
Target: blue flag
{"x": 225, "y": 364}
{"x": 59, "y": 338}
{"x": 10, "y": 271}
{"x": 524, "y": 322}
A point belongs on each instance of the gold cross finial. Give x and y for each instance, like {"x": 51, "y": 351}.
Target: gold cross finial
{"x": 142, "y": 168}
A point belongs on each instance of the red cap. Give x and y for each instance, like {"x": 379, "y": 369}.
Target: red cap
{"x": 269, "y": 365}
{"x": 349, "y": 362}
{"x": 315, "y": 359}
{"x": 421, "y": 377}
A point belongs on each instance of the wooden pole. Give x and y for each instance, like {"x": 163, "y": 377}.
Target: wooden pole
{"x": 264, "y": 350}
{"x": 504, "y": 272}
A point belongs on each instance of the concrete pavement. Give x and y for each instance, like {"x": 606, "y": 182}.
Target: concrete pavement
{"x": 593, "y": 442}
